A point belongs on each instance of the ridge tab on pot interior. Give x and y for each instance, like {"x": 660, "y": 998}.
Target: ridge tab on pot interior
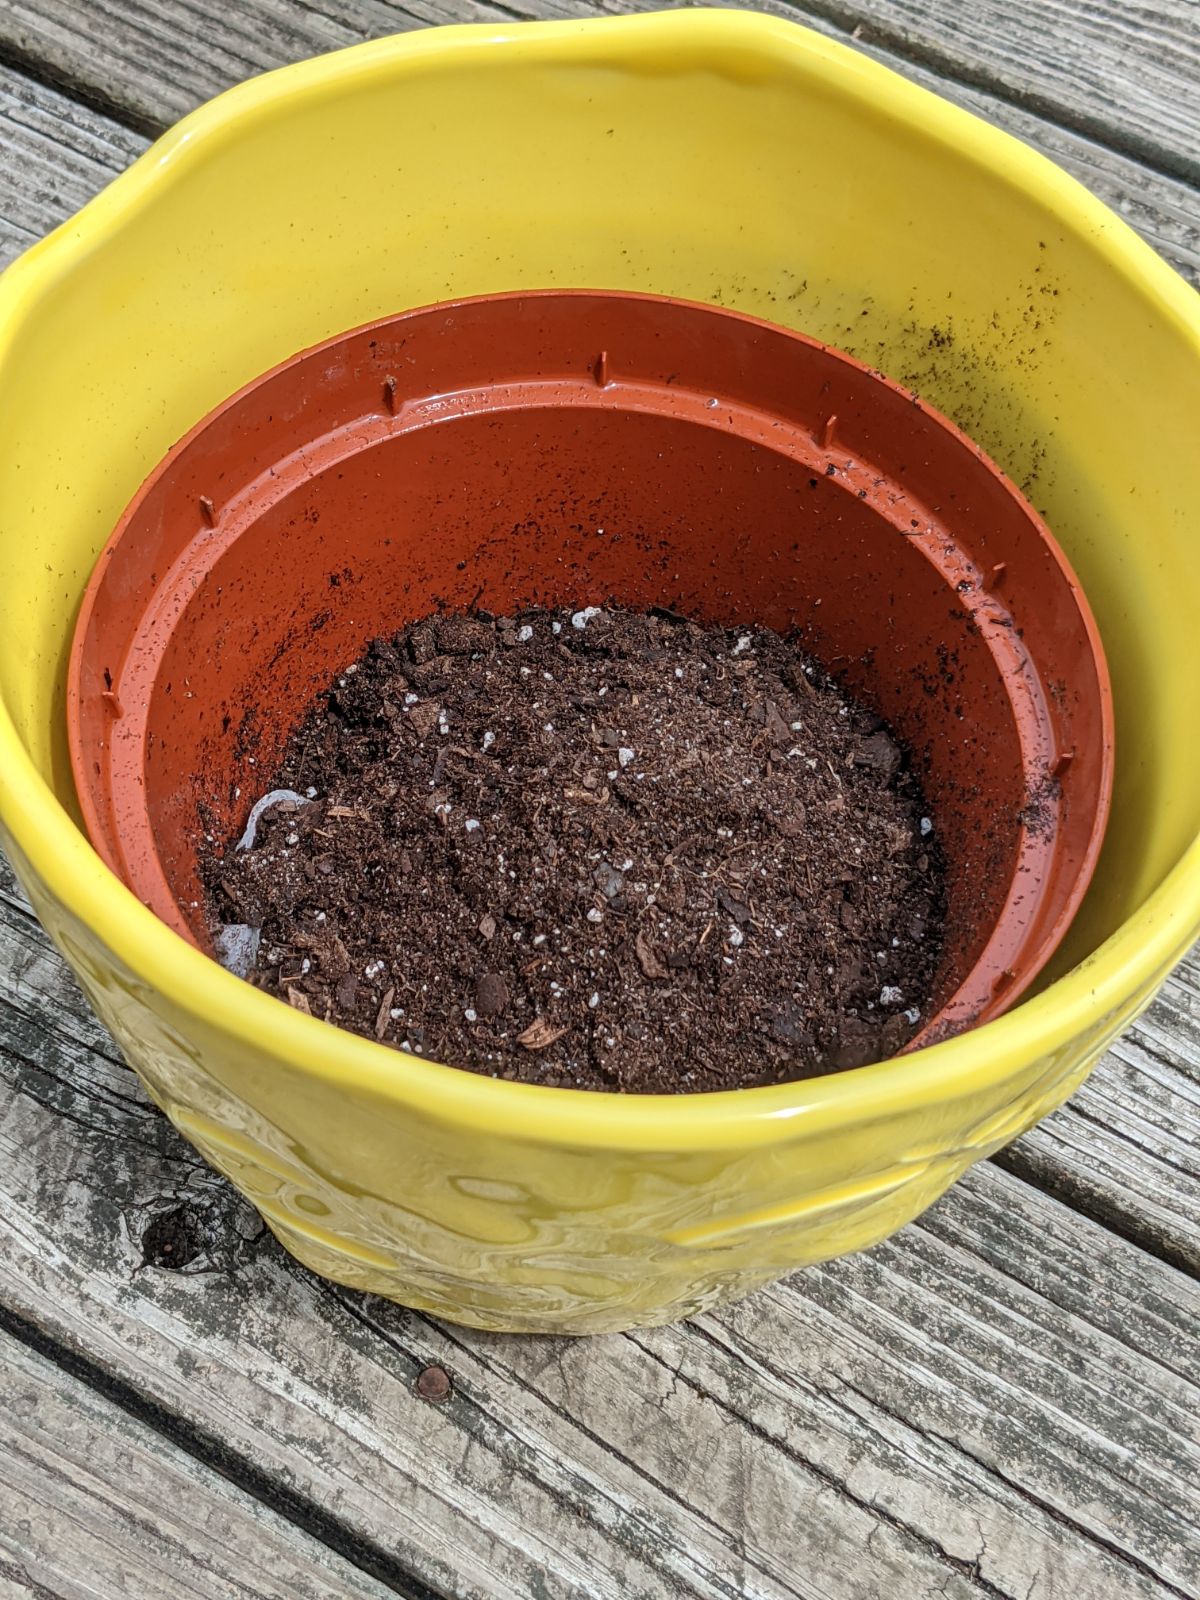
{"x": 736, "y": 472}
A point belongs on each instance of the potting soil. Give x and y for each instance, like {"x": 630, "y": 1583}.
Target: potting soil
{"x": 596, "y": 850}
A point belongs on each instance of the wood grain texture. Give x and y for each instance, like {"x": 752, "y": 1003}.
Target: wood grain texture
{"x": 95, "y": 1505}
{"x": 998, "y": 1402}
{"x": 54, "y": 154}
{"x": 1122, "y": 74}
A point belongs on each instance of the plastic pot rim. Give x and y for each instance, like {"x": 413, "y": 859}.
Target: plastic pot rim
{"x": 986, "y": 988}
{"x": 1136, "y": 955}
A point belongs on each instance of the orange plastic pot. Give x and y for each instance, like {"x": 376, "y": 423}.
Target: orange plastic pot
{"x": 572, "y": 448}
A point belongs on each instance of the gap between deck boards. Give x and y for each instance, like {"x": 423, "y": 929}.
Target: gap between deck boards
{"x": 302, "y": 1513}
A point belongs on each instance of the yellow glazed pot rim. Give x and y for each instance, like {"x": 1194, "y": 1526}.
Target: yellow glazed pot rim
{"x": 745, "y": 45}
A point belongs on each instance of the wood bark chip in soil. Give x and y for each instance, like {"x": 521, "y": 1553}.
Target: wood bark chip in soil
{"x": 597, "y": 850}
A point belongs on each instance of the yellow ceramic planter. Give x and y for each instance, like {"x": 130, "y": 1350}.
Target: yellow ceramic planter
{"x": 708, "y": 155}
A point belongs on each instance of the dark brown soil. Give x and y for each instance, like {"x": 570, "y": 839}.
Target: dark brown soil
{"x": 604, "y": 851}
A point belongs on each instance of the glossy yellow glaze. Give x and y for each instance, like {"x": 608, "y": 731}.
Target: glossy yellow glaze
{"x": 714, "y": 156}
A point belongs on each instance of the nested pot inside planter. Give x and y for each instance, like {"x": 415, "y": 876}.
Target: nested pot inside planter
{"x": 573, "y": 450}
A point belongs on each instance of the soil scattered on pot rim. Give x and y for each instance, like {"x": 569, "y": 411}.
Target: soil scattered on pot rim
{"x": 596, "y": 850}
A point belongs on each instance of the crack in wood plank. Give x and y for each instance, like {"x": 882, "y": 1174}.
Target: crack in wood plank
{"x": 199, "y": 1445}
{"x": 969, "y": 1569}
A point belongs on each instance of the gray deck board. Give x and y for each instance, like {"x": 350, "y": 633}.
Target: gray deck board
{"x": 86, "y": 1490}
{"x": 54, "y": 154}
{"x": 1000, "y": 1402}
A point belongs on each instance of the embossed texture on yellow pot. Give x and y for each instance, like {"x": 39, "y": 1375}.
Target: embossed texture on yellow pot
{"x": 712, "y": 156}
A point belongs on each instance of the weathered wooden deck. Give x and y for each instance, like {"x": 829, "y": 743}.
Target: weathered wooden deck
{"x": 1003, "y": 1401}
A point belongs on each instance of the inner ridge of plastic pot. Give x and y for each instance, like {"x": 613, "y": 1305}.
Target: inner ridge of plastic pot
{"x": 578, "y": 447}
